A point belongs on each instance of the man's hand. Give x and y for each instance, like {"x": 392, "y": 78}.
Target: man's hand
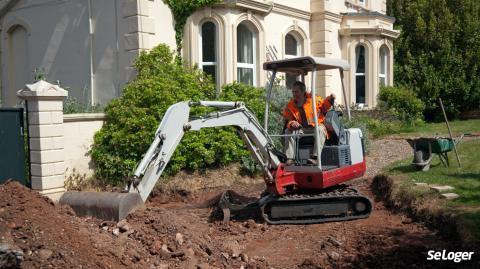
{"x": 332, "y": 99}
{"x": 295, "y": 125}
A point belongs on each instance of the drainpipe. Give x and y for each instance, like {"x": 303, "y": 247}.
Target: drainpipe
{"x": 90, "y": 37}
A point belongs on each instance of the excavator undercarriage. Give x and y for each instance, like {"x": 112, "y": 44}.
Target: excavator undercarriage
{"x": 339, "y": 203}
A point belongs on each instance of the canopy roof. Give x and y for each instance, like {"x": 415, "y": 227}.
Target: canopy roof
{"x": 303, "y": 65}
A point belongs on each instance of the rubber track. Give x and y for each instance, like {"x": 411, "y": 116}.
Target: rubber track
{"x": 343, "y": 195}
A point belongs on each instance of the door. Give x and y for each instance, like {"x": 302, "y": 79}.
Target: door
{"x": 12, "y": 151}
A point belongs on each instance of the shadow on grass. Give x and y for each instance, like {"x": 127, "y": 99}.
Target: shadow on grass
{"x": 402, "y": 169}
{"x": 468, "y": 175}
{"x": 469, "y": 195}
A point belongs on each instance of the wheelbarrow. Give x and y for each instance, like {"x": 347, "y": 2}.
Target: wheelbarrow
{"x": 424, "y": 148}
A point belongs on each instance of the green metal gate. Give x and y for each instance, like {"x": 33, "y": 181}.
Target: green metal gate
{"x": 12, "y": 152}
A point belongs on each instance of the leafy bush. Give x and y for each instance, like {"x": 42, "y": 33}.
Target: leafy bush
{"x": 132, "y": 119}
{"x": 402, "y": 103}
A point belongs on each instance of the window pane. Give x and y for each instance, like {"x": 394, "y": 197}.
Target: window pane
{"x": 244, "y": 44}
{"x": 382, "y": 81}
{"x": 383, "y": 59}
{"x": 211, "y": 70}
{"x": 208, "y": 42}
{"x": 360, "y": 89}
{"x": 289, "y": 80}
{"x": 360, "y": 59}
{"x": 245, "y": 75}
{"x": 290, "y": 45}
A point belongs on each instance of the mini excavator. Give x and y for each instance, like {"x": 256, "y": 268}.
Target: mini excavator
{"x": 302, "y": 193}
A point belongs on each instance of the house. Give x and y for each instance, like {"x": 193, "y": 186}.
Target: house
{"x": 89, "y": 47}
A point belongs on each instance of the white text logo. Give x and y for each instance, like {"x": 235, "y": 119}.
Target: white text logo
{"x": 449, "y": 256}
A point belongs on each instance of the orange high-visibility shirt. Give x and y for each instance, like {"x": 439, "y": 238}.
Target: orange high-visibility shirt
{"x": 292, "y": 113}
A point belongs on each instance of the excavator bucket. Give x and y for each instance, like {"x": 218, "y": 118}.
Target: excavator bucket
{"x": 102, "y": 205}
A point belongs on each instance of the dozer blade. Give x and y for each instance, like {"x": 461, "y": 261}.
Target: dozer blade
{"x": 232, "y": 203}
{"x": 102, "y": 205}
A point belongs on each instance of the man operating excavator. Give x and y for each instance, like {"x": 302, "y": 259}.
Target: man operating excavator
{"x": 299, "y": 118}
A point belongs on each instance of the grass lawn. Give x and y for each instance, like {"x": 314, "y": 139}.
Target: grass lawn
{"x": 465, "y": 180}
{"x": 429, "y": 129}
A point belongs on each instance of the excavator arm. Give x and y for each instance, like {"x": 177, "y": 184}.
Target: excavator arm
{"x": 176, "y": 122}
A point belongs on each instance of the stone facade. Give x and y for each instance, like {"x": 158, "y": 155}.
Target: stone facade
{"x": 90, "y": 46}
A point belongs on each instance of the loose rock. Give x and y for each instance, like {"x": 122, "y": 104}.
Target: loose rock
{"x": 44, "y": 254}
{"x": 179, "y": 238}
{"x": 10, "y": 256}
{"x": 116, "y": 232}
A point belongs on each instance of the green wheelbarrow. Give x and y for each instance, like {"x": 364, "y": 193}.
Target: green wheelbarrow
{"x": 424, "y": 148}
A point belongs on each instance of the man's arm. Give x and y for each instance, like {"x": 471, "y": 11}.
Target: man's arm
{"x": 327, "y": 103}
{"x": 292, "y": 123}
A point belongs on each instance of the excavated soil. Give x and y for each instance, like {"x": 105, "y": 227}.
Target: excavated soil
{"x": 179, "y": 229}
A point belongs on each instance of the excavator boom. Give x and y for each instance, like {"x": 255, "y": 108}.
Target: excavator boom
{"x": 175, "y": 123}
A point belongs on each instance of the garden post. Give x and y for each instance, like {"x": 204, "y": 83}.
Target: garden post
{"x": 44, "y": 104}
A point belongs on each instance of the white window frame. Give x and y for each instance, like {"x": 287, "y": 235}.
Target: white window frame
{"x": 385, "y": 60}
{"x": 200, "y": 51}
{"x": 253, "y": 65}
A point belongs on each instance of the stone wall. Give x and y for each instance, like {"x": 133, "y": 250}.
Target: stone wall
{"x": 59, "y": 144}
{"x": 79, "y": 130}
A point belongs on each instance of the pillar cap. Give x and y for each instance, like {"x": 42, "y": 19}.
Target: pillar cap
{"x": 42, "y": 90}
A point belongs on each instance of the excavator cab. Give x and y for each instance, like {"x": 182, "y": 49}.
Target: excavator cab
{"x": 335, "y": 152}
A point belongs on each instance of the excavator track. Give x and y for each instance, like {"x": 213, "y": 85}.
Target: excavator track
{"x": 340, "y": 204}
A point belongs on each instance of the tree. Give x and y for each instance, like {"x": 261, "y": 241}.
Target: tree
{"x": 438, "y": 52}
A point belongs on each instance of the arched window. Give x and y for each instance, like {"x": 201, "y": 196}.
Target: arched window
{"x": 246, "y": 55}
{"x": 360, "y": 75}
{"x": 292, "y": 49}
{"x": 292, "y": 46}
{"x": 17, "y": 63}
{"x": 209, "y": 49}
{"x": 383, "y": 66}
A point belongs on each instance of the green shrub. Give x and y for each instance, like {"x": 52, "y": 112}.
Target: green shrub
{"x": 132, "y": 119}
{"x": 254, "y": 99}
{"x": 402, "y": 103}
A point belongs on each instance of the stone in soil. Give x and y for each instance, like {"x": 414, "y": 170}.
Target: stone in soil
{"x": 450, "y": 195}
{"x": 10, "y": 256}
{"x": 442, "y": 189}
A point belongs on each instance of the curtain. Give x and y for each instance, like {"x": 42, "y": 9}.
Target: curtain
{"x": 244, "y": 45}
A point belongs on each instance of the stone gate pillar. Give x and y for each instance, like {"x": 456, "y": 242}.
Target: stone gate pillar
{"x": 45, "y": 119}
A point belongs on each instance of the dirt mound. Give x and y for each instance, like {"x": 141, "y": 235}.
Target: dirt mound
{"x": 36, "y": 233}
{"x": 48, "y": 235}
{"x": 186, "y": 241}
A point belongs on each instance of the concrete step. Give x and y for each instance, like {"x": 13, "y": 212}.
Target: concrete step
{"x": 450, "y": 195}
{"x": 442, "y": 189}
